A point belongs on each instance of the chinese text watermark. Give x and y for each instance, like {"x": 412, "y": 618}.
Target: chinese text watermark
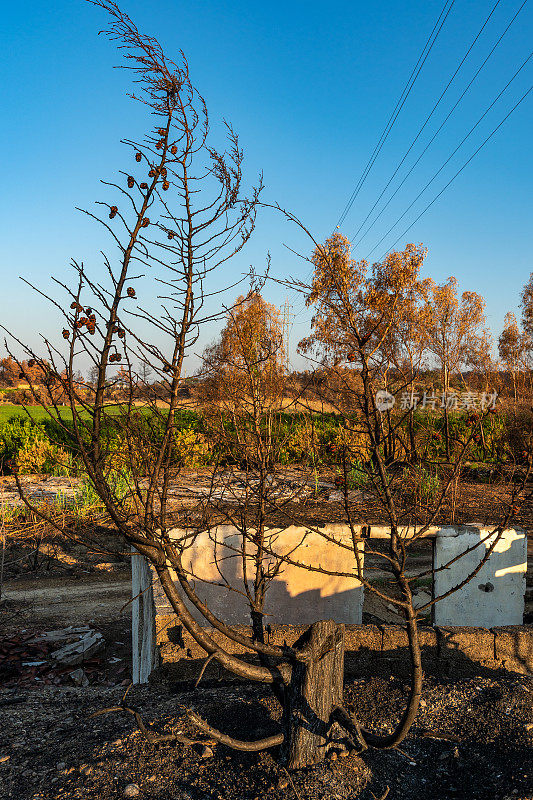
{"x": 451, "y": 401}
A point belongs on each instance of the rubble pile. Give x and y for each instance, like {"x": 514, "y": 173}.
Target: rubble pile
{"x": 52, "y": 657}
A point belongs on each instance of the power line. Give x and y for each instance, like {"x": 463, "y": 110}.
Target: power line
{"x": 472, "y": 129}
{"x": 461, "y": 169}
{"x": 397, "y": 109}
{"x": 399, "y": 105}
{"x": 435, "y": 106}
{"x": 426, "y": 148}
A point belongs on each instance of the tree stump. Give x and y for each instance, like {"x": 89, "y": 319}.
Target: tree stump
{"x": 315, "y": 690}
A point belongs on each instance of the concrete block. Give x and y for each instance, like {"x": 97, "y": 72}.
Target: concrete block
{"x": 296, "y": 596}
{"x": 428, "y": 644}
{"x": 514, "y": 648}
{"x": 495, "y": 595}
{"x": 284, "y": 634}
{"x": 363, "y": 638}
{"x": 370, "y": 649}
{"x": 164, "y": 625}
{"x": 465, "y": 644}
{"x": 396, "y": 656}
{"x": 362, "y": 645}
{"x": 395, "y": 643}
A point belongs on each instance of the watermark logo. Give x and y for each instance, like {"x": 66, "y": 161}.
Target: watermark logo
{"x": 452, "y": 401}
{"x": 384, "y": 400}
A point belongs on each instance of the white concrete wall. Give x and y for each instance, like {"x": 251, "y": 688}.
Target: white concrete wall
{"x": 495, "y": 596}
{"x": 295, "y": 596}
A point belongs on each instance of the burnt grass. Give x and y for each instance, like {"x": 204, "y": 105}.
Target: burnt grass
{"x": 472, "y": 739}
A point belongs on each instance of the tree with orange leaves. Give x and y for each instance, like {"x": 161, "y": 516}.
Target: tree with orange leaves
{"x": 455, "y": 334}
{"x": 245, "y": 366}
{"x": 375, "y": 316}
{"x": 28, "y": 371}
{"x": 526, "y": 303}
{"x": 246, "y": 380}
{"x": 9, "y": 371}
{"x": 455, "y": 329}
{"x": 362, "y": 308}
{"x": 513, "y": 347}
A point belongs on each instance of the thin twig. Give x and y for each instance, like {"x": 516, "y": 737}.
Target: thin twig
{"x": 151, "y": 737}
{"x": 204, "y": 667}
{"x": 383, "y": 796}
{"x": 292, "y": 783}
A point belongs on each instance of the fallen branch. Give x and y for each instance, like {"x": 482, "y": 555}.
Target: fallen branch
{"x": 153, "y": 738}
{"x": 236, "y": 744}
{"x": 204, "y": 667}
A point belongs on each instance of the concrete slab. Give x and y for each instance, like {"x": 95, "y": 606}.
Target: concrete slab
{"x": 495, "y": 595}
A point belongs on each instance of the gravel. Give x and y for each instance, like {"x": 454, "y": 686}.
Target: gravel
{"x": 472, "y": 739}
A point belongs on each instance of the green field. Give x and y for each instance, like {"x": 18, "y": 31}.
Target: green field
{"x": 37, "y": 413}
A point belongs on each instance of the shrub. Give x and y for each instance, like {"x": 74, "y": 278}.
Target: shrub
{"x": 40, "y": 455}
{"x": 191, "y": 448}
{"x": 15, "y": 433}
{"x": 519, "y": 437}
{"x": 299, "y": 444}
{"x": 30, "y": 446}
{"x": 357, "y": 476}
{"x": 486, "y": 445}
{"x": 128, "y": 453}
{"x": 429, "y": 486}
{"x": 324, "y": 442}
{"x": 419, "y": 486}
{"x": 353, "y": 440}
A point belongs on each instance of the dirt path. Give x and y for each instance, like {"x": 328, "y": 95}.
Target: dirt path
{"x": 38, "y": 604}
{"x": 94, "y": 599}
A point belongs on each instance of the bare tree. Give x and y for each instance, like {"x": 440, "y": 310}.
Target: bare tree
{"x": 199, "y": 218}
{"x": 242, "y": 400}
{"x": 182, "y": 214}
{"x": 356, "y": 311}
{"x": 130, "y": 458}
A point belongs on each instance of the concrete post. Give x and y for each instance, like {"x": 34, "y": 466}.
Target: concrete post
{"x": 143, "y": 640}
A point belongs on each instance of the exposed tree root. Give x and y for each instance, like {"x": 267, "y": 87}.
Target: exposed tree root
{"x": 236, "y": 744}
{"x": 351, "y": 726}
{"x": 150, "y": 736}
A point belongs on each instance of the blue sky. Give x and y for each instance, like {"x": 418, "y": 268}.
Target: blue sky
{"x": 309, "y": 86}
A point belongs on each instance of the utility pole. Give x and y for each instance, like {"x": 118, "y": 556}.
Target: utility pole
{"x": 288, "y": 316}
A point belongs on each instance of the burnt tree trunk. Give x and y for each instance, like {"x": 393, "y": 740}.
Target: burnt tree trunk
{"x": 314, "y": 692}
